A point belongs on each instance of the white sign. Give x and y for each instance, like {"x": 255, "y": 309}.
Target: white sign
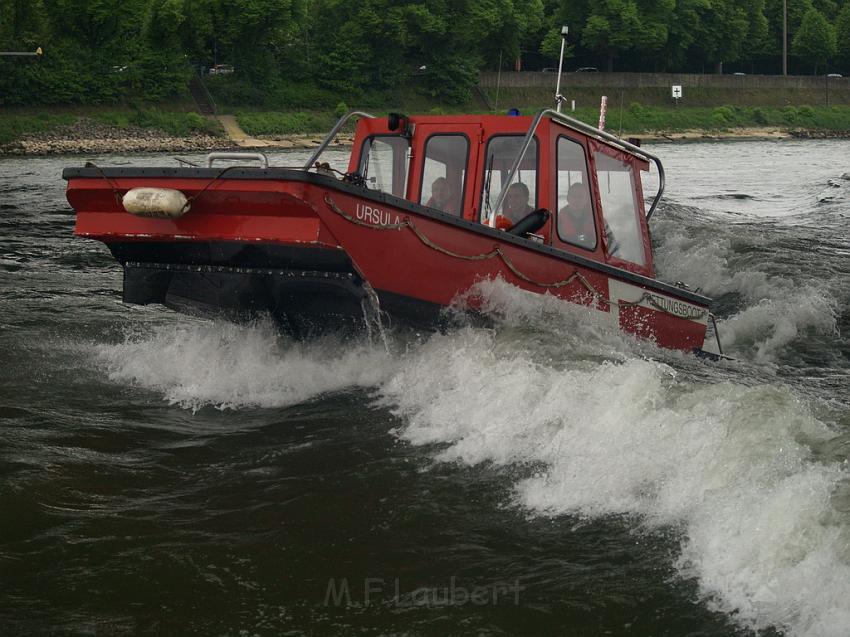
{"x": 677, "y": 91}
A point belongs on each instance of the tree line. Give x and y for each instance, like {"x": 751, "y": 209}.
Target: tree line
{"x": 107, "y": 51}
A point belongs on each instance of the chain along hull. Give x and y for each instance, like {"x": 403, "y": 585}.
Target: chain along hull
{"x": 318, "y": 254}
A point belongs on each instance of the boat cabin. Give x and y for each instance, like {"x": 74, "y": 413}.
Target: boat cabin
{"x": 494, "y": 170}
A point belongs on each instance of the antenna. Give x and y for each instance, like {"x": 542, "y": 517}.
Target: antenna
{"x": 558, "y": 97}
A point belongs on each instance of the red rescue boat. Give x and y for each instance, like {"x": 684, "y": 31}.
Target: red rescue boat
{"x": 429, "y": 206}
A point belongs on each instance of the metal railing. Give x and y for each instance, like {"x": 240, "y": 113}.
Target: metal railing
{"x": 330, "y": 137}
{"x": 260, "y": 157}
{"x": 587, "y": 129}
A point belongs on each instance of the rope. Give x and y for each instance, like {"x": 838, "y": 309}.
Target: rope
{"x": 119, "y": 198}
{"x": 115, "y": 190}
{"x": 190, "y": 200}
{"x": 497, "y": 252}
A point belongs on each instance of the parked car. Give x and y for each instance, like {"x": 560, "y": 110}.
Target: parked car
{"x": 587, "y": 69}
{"x": 738, "y": 73}
{"x": 834, "y": 75}
{"x": 222, "y": 69}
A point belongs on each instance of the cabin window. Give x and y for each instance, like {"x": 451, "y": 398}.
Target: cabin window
{"x": 383, "y": 163}
{"x": 620, "y": 208}
{"x": 576, "y": 224}
{"x": 444, "y": 172}
{"x": 521, "y": 198}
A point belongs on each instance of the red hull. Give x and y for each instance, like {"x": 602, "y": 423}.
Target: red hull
{"x": 406, "y": 252}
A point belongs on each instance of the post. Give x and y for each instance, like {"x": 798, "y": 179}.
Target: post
{"x": 558, "y": 97}
{"x": 784, "y": 37}
{"x": 498, "y": 81}
{"x": 603, "y": 108}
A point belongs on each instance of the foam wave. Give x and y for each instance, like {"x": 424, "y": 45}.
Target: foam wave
{"x": 546, "y": 321}
{"x": 764, "y": 330}
{"x": 231, "y": 366}
{"x": 771, "y": 311}
{"x": 608, "y": 430}
{"x": 729, "y": 466}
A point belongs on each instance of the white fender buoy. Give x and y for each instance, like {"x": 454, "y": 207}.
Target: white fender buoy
{"x": 163, "y": 203}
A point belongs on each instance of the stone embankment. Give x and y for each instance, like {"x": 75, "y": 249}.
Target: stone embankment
{"x": 90, "y": 137}
{"x": 87, "y": 136}
{"x": 819, "y": 134}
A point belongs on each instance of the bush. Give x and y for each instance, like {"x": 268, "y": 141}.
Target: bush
{"x": 759, "y": 116}
{"x": 177, "y": 124}
{"x": 790, "y": 115}
{"x": 300, "y": 95}
{"x": 232, "y": 90}
{"x": 723, "y": 116}
{"x": 341, "y": 109}
{"x": 284, "y": 123}
{"x": 13, "y": 126}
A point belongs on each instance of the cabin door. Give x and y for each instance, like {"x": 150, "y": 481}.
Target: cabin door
{"x": 446, "y": 157}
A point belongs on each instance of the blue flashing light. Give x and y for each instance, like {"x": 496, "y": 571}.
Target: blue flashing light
{"x": 514, "y": 112}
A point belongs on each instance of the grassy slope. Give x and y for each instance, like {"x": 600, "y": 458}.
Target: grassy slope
{"x": 14, "y": 124}
{"x": 627, "y": 117}
{"x": 634, "y": 118}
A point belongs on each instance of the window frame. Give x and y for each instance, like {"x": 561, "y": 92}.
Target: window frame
{"x": 537, "y": 145}
{"x": 590, "y": 192}
{"x": 363, "y": 155}
{"x": 639, "y": 215}
{"x": 466, "y": 168}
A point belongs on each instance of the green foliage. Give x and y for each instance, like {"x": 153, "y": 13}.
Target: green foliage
{"x": 177, "y": 124}
{"x": 815, "y": 40}
{"x": 234, "y": 90}
{"x": 285, "y": 123}
{"x": 723, "y": 116}
{"x": 311, "y": 54}
{"x": 614, "y": 27}
{"x": 550, "y": 46}
{"x": 842, "y": 34}
{"x": 649, "y": 119}
{"x": 341, "y": 109}
{"x": 300, "y": 95}
{"x": 790, "y": 115}
{"x": 14, "y": 126}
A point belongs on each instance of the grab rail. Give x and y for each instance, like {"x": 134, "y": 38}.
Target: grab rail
{"x": 330, "y": 137}
{"x": 583, "y": 128}
{"x": 260, "y": 157}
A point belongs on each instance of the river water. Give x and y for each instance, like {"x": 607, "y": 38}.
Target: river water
{"x": 161, "y": 474}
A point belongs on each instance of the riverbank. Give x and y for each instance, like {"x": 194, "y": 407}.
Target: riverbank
{"x": 87, "y": 136}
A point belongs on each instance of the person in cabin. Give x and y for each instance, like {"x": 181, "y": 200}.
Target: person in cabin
{"x": 441, "y": 195}
{"x": 575, "y": 220}
{"x": 515, "y": 206}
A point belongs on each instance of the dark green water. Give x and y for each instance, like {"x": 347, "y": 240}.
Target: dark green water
{"x": 167, "y": 475}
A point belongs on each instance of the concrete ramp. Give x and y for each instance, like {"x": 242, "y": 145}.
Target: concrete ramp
{"x": 238, "y": 136}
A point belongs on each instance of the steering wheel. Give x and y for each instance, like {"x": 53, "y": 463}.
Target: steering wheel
{"x": 532, "y": 222}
